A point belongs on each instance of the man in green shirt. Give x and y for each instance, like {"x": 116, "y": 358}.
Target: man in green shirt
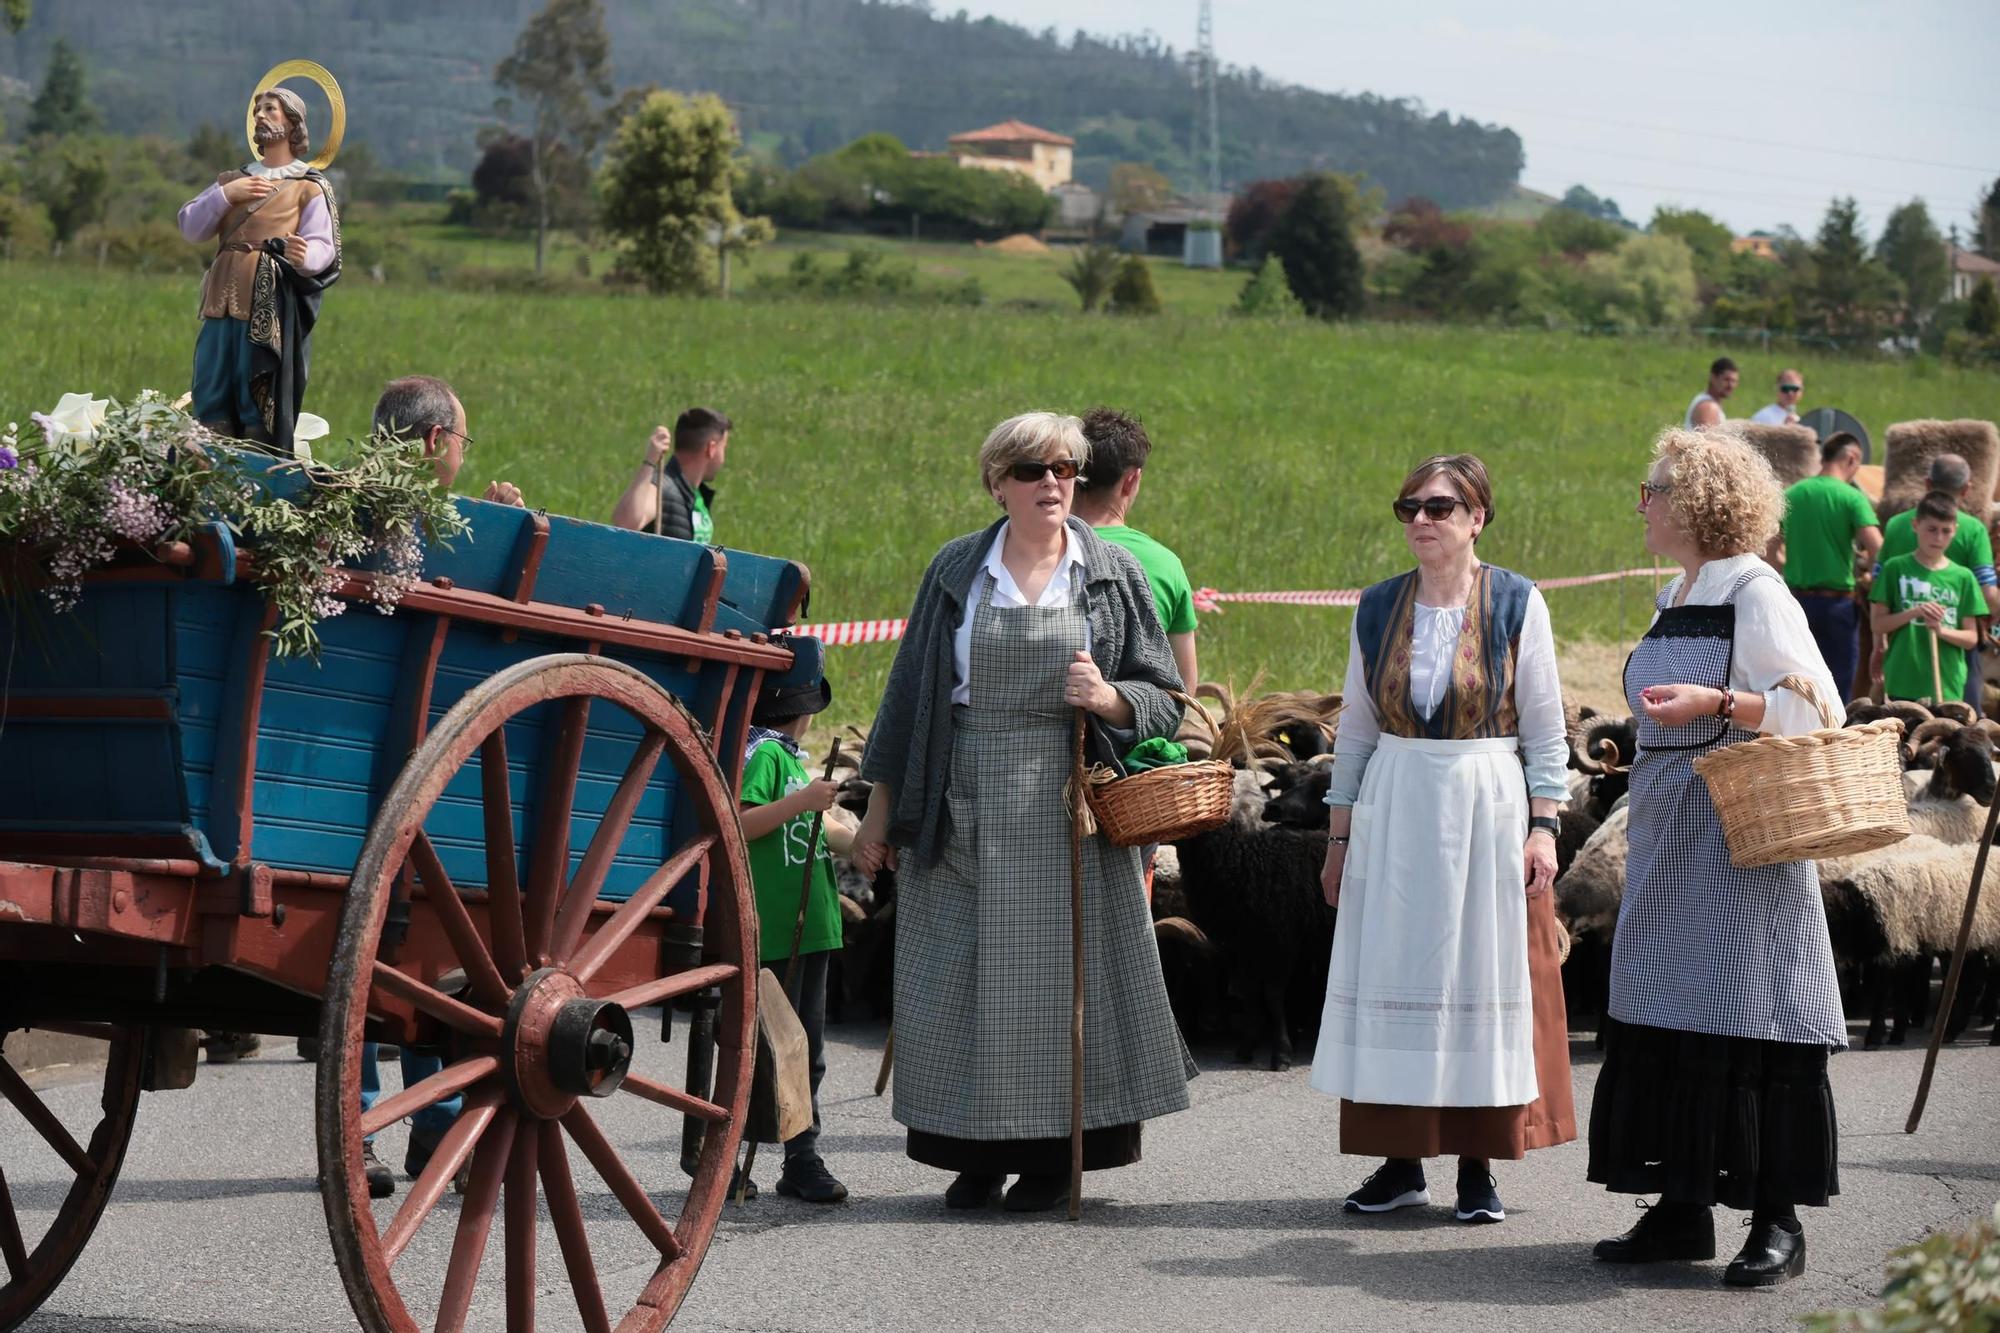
{"x": 1972, "y": 547}
{"x": 1827, "y": 519}
{"x": 675, "y": 489}
{"x": 1924, "y": 602}
{"x": 1104, "y": 496}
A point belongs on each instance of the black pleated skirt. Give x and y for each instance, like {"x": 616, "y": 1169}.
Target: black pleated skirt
{"x": 1103, "y": 1149}
{"x": 1707, "y": 1119}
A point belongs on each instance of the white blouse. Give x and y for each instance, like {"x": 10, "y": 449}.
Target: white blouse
{"x": 1772, "y": 641}
{"x": 1434, "y": 634}
{"x": 1006, "y": 592}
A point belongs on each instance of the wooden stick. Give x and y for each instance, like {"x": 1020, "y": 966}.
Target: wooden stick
{"x": 1952, "y": 972}
{"x": 798, "y": 938}
{"x": 659, "y": 493}
{"x": 888, "y": 1062}
{"x": 1937, "y": 675}
{"x": 1076, "y": 976}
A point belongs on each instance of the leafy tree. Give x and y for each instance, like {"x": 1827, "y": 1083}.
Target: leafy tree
{"x": 561, "y": 69}
{"x": 24, "y": 228}
{"x": 1267, "y": 294}
{"x": 1091, "y": 273}
{"x": 1133, "y": 293}
{"x": 210, "y": 151}
{"x": 503, "y": 182}
{"x": 1246, "y": 231}
{"x": 14, "y": 13}
{"x": 71, "y": 179}
{"x": 666, "y": 191}
{"x": 1647, "y": 283}
{"x": 1420, "y": 226}
{"x": 1986, "y": 222}
{"x": 1707, "y": 240}
{"x": 62, "y": 104}
{"x": 1314, "y": 240}
{"x": 1982, "y": 312}
{"x": 1138, "y": 188}
{"x": 1913, "y": 252}
{"x": 1565, "y": 231}
{"x": 1579, "y": 200}
{"x": 1844, "y": 282}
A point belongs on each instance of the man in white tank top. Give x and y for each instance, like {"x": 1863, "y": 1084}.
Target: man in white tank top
{"x": 1705, "y": 409}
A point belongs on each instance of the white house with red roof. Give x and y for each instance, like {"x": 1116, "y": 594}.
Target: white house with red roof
{"x": 1013, "y": 145}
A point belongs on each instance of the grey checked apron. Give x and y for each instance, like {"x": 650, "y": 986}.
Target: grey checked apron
{"x": 983, "y": 933}
{"x": 1703, "y": 946}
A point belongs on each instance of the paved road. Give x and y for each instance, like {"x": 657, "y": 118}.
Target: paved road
{"x": 1232, "y": 1221}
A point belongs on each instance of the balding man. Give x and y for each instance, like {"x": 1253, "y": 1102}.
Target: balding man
{"x": 1784, "y": 412}
{"x": 1972, "y": 547}
{"x": 423, "y": 407}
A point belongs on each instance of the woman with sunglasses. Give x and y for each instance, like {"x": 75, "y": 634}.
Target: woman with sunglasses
{"x": 1723, "y": 998}
{"x": 1444, "y": 1030}
{"x": 1015, "y": 628}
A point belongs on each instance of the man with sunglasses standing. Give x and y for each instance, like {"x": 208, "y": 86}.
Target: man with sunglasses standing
{"x": 1784, "y": 412}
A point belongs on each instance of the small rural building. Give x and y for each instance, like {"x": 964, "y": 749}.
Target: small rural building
{"x": 1192, "y": 235}
{"x": 1967, "y": 268}
{"x": 1013, "y": 145}
{"x": 1761, "y": 244}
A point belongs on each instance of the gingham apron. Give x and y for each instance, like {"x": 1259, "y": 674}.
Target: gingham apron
{"x": 983, "y": 933}
{"x": 1703, "y": 946}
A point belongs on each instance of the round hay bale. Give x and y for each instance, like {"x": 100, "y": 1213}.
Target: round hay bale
{"x": 1792, "y": 451}
{"x": 1909, "y": 446}
{"x": 1020, "y": 243}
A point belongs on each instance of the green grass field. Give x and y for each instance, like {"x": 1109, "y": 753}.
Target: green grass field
{"x": 1279, "y": 446}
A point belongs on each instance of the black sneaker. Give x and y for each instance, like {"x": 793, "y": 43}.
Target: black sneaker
{"x": 1478, "y": 1197}
{"x": 381, "y": 1180}
{"x": 1397, "y": 1183}
{"x": 1665, "y": 1233}
{"x": 808, "y": 1180}
{"x": 423, "y": 1147}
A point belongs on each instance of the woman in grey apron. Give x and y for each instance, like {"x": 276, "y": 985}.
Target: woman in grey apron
{"x": 1723, "y": 1003}
{"x": 1014, "y": 629}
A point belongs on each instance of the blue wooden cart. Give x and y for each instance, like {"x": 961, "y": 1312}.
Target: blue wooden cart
{"x": 454, "y": 833}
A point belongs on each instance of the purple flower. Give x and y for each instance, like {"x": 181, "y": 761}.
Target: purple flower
{"x": 8, "y": 459}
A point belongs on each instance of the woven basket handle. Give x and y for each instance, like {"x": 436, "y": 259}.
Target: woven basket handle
{"x": 1804, "y": 688}
{"x": 1193, "y": 706}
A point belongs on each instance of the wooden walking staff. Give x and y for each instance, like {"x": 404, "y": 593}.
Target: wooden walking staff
{"x": 798, "y": 938}
{"x": 1076, "y": 817}
{"x": 1937, "y": 673}
{"x": 1952, "y": 972}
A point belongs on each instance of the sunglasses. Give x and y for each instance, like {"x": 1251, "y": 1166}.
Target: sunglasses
{"x": 1437, "y": 507}
{"x": 1790, "y": 388}
{"x": 1064, "y": 469}
{"x": 1649, "y": 492}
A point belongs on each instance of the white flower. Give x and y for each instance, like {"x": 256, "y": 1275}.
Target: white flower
{"x": 307, "y": 428}
{"x": 74, "y": 422}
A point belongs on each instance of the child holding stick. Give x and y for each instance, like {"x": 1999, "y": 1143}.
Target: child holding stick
{"x": 1921, "y": 599}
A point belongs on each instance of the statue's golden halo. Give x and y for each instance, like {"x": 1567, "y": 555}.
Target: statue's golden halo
{"x": 301, "y": 69}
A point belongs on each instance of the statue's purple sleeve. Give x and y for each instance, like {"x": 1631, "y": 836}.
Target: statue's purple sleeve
{"x": 201, "y": 215}
{"x": 316, "y": 229}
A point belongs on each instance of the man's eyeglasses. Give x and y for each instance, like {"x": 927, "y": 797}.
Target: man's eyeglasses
{"x": 1790, "y": 388}
{"x": 1437, "y": 508}
{"x": 1651, "y": 491}
{"x": 1064, "y": 469}
{"x": 464, "y": 440}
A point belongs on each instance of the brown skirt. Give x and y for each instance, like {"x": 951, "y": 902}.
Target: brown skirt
{"x": 1375, "y": 1129}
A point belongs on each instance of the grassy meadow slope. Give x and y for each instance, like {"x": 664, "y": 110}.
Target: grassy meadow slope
{"x": 1279, "y": 445}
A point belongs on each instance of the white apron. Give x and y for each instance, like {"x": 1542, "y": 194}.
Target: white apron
{"x": 1427, "y": 999}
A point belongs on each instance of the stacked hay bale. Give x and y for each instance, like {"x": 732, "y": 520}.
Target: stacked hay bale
{"x": 1792, "y": 451}
{"x": 1909, "y": 447}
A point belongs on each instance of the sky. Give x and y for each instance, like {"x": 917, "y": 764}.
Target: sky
{"x": 1757, "y": 113}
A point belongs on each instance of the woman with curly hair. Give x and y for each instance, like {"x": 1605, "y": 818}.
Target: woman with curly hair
{"x": 1723, "y": 999}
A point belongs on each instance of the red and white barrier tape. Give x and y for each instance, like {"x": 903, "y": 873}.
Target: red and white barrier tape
{"x": 1205, "y": 600}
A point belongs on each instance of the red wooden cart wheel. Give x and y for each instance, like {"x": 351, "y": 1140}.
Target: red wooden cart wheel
{"x": 535, "y": 1032}
{"x": 31, "y": 1274}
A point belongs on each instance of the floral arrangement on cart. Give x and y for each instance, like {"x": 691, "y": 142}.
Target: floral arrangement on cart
{"x": 96, "y": 482}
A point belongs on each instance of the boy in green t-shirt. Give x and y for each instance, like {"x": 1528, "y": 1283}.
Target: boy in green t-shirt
{"x": 1921, "y": 595}
{"x": 779, "y": 800}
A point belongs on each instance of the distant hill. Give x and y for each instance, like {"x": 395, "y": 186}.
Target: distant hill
{"x": 804, "y": 76}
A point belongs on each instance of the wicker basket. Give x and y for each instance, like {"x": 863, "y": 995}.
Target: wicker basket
{"x": 1796, "y": 798}
{"x": 1162, "y": 804}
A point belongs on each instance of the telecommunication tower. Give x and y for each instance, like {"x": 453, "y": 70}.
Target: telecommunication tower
{"x": 1207, "y": 152}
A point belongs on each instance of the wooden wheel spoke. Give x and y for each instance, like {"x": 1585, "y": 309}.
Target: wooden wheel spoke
{"x": 549, "y": 857}
{"x": 475, "y": 1223}
{"x": 567, "y": 1216}
{"x": 452, "y": 1150}
{"x": 13, "y": 1250}
{"x": 503, "y": 886}
{"x": 624, "y": 1185}
{"x": 671, "y": 1097}
{"x": 454, "y": 1014}
{"x": 634, "y": 910}
{"x": 604, "y": 843}
{"x": 677, "y": 985}
{"x": 521, "y": 1219}
{"x": 16, "y": 1090}
{"x": 443, "y": 897}
{"x": 447, "y": 1082}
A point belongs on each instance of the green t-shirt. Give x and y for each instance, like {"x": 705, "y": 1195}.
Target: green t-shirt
{"x": 1172, "y": 592}
{"x": 1906, "y": 669}
{"x": 704, "y": 529}
{"x": 1822, "y": 514}
{"x": 777, "y": 861}
{"x": 1972, "y": 547}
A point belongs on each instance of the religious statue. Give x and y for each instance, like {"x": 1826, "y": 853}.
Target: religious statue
{"x": 277, "y": 228}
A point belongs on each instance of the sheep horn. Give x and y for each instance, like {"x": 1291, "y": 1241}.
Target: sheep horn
{"x": 1937, "y": 729}
{"x": 1957, "y": 710}
{"x": 1990, "y": 729}
{"x": 1185, "y": 929}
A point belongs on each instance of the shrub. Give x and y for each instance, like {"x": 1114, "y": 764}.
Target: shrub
{"x": 1267, "y": 293}
{"x": 1133, "y": 293}
{"x": 1314, "y": 240}
{"x": 1091, "y": 273}
{"x": 1951, "y": 1280}
{"x": 24, "y": 229}
{"x": 147, "y": 247}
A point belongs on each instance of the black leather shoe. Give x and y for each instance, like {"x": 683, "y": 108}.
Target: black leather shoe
{"x": 1664, "y": 1234}
{"x": 1038, "y": 1194}
{"x": 1773, "y": 1253}
{"x": 973, "y": 1190}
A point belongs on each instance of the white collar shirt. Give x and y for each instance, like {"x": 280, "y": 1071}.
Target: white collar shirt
{"x": 1058, "y": 591}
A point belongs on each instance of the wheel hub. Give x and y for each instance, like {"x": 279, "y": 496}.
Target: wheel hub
{"x": 559, "y": 1044}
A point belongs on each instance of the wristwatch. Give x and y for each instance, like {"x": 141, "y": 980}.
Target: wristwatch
{"x": 1548, "y": 824}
